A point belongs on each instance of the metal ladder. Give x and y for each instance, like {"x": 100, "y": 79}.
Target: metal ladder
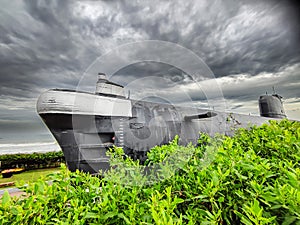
{"x": 120, "y": 133}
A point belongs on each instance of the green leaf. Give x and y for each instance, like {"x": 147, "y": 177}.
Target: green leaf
{"x": 221, "y": 199}
{"x": 200, "y": 197}
{"x": 215, "y": 178}
{"x": 289, "y": 220}
{"x": 256, "y": 209}
{"x": 14, "y": 211}
{"x": 5, "y": 198}
{"x": 91, "y": 215}
{"x": 110, "y": 215}
{"x": 122, "y": 216}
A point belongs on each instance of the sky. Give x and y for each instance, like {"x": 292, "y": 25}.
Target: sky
{"x": 246, "y": 47}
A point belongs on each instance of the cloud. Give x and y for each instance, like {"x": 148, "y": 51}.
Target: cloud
{"x": 237, "y": 90}
{"x": 43, "y": 42}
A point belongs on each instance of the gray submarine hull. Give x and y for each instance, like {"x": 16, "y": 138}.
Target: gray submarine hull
{"x": 86, "y": 125}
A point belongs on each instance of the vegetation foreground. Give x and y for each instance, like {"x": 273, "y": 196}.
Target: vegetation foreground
{"x": 251, "y": 178}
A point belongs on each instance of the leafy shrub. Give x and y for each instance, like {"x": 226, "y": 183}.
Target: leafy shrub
{"x": 32, "y": 161}
{"x": 251, "y": 178}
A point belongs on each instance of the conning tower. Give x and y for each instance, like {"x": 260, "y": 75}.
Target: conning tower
{"x": 107, "y": 88}
{"x": 271, "y": 106}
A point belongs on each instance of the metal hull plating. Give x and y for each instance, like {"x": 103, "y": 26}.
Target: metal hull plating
{"x": 83, "y": 148}
{"x": 86, "y": 125}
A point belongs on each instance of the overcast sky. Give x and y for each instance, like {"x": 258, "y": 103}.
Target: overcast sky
{"x": 249, "y": 46}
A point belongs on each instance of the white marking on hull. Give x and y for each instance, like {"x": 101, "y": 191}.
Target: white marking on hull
{"x": 56, "y": 101}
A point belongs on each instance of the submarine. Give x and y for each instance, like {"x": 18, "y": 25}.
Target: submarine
{"x": 86, "y": 125}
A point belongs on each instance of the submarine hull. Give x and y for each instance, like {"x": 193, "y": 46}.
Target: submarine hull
{"x": 86, "y": 125}
{"x": 83, "y": 148}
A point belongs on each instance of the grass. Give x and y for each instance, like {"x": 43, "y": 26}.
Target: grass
{"x": 28, "y": 176}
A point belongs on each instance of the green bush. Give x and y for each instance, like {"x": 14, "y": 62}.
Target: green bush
{"x": 251, "y": 178}
{"x": 31, "y": 161}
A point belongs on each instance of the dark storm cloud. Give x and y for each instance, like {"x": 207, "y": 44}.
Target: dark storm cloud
{"x": 50, "y": 43}
{"x": 38, "y": 49}
{"x": 231, "y": 36}
{"x": 169, "y": 73}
